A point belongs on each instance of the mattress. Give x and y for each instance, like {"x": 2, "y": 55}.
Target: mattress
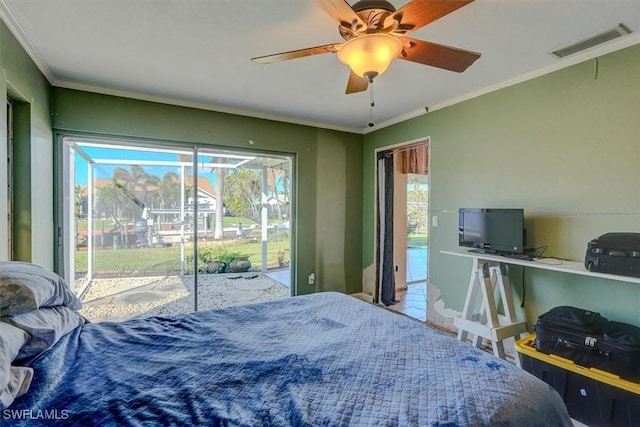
{"x": 323, "y": 359}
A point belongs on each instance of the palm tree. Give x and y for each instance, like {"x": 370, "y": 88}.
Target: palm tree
{"x": 113, "y": 200}
{"x": 219, "y": 177}
{"x": 169, "y": 189}
{"x": 219, "y": 231}
{"x": 273, "y": 184}
{"x": 276, "y": 179}
{"x": 78, "y": 193}
{"x": 168, "y": 192}
{"x": 135, "y": 184}
{"x": 124, "y": 181}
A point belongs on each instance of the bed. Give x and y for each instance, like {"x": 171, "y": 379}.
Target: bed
{"x": 322, "y": 359}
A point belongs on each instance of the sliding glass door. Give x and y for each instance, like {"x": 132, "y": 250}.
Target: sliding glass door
{"x": 162, "y": 230}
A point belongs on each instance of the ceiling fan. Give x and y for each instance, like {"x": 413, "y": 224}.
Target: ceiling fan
{"x": 375, "y": 33}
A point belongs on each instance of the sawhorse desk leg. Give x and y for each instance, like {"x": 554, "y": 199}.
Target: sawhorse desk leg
{"x": 487, "y": 323}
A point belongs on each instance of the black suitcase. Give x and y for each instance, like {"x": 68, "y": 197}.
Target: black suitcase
{"x": 614, "y": 253}
{"x": 622, "y": 341}
{"x": 590, "y": 340}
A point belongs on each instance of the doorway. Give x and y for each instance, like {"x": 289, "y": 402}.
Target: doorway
{"x": 162, "y": 229}
{"x": 402, "y": 212}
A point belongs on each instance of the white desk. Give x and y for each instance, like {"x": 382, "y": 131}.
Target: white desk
{"x": 553, "y": 264}
{"x": 489, "y": 272}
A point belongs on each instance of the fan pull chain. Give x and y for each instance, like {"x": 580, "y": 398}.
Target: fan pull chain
{"x": 372, "y": 104}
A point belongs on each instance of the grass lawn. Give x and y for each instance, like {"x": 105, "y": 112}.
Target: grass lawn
{"x": 232, "y": 221}
{"x": 167, "y": 259}
{"x": 417, "y": 240}
{"x": 98, "y": 224}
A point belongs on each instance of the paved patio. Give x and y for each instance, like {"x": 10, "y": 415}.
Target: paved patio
{"x": 123, "y": 298}
{"x": 416, "y": 264}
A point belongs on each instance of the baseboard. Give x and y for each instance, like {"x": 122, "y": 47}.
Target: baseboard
{"x": 364, "y": 297}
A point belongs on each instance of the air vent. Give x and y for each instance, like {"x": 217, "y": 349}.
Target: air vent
{"x": 603, "y": 37}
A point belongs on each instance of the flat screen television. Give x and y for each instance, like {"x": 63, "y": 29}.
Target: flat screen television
{"x": 499, "y": 230}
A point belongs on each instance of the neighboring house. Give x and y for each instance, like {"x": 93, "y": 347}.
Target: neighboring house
{"x": 206, "y": 193}
{"x": 206, "y": 196}
{"x": 277, "y": 205}
{"x": 205, "y": 199}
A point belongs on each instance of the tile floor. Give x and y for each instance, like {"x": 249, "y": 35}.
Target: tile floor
{"x": 413, "y": 301}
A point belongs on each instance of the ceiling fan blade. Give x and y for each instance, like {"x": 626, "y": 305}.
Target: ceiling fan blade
{"x": 418, "y": 13}
{"x": 437, "y": 55}
{"x": 341, "y": 12}
{"x": 284, "y": 56}
{"x": 356, "y": 83}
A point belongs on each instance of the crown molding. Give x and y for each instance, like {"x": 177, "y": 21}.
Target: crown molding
{"x": 18, "y": 32}
{"x": 622, "y": 43}
{"x": 16, "y": 29}
{"x": 394, "y": 120}
{"x": 198, "y": 105}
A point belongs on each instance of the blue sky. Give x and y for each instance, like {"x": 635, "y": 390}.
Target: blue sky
{"x": 106, "y": 171}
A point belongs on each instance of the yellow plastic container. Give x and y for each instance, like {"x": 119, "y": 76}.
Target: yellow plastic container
{"x": 525, "y": 346}
{"x": 592, "y": 396}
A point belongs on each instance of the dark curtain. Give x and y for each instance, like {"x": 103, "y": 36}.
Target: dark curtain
{"x": 386, "y": 286}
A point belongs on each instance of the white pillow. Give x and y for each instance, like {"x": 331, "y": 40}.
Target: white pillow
{"x": 25, "y": 287}
{"x": 14, "y": 381}
{"x": 44, "y": 327}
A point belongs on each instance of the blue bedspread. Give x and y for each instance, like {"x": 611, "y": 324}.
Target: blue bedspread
{"x": 323, "y": 359}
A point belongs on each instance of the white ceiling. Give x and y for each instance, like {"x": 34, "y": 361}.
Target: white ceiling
{"x": 197, "y": 52}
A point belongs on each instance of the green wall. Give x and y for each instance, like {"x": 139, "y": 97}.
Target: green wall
{"x": 339, "y": 197}
{"x": 30, "y": 92}
{"x": 328, "y": 168}
{"x": 565, "y": 147}
{"x": 328, "y": 165}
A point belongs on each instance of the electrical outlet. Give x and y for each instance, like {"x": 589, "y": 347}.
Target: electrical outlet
{"x": 312, "y": 279}
{"x": 434, "y": 221}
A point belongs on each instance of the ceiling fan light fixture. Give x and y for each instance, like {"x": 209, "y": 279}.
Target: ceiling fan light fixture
{"x": 370, "y": 55}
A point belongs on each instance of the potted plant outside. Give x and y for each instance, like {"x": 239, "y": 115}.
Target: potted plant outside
{"x": 220, "y": 259}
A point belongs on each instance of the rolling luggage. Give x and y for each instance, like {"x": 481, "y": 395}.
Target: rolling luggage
{"x": 590, "y": 340}
{"x": 622, "y": 340}
{"x": 614, "y": 253}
